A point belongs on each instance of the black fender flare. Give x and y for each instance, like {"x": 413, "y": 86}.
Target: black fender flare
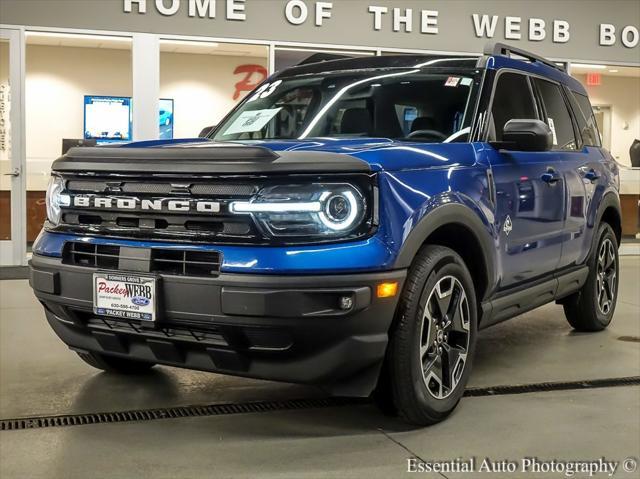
{"x": 609, "y": 200}
{"x": 446, "y": 214}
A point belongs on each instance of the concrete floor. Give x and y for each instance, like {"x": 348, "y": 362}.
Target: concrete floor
{"x": 40, "y": 376}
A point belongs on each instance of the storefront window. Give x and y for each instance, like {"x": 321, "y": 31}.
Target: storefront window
{"x": 201, "y": 81}
{"x": 78, "y": 90}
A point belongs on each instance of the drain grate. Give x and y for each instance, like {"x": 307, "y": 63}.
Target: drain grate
{"x": 630, "y": 339}
{"x": 291, "y": 404}
{"x": 557, "y": 386}
{"x": 172, "y": 412}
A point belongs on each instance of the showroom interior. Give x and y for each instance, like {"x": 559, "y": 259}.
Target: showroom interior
{"x": 178, "y": 67}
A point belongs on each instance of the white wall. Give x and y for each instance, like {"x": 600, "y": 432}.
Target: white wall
{"x": 202, "y": 87}
{"x": 623, "y": 95}
{"x": 57, "y": 78}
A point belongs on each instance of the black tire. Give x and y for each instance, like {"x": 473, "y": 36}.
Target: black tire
{"x": 420, "y": 352}
{"x": 114, "y": 364}
{"x": 592, "y": 308}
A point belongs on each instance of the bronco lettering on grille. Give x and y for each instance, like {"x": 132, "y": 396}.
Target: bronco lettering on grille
{"x": 132, "y": 203}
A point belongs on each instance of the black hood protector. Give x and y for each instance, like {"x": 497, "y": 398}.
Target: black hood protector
{"x": 214, "y": 158}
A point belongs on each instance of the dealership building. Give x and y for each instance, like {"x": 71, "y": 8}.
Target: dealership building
{"x": 189, "y": 61}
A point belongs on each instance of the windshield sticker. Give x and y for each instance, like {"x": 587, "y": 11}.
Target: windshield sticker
{"x": 251, "y": 121}
{"x": 265, "y": 90}
{"x": 552, "y": 127}
{"x": 466, "y": 81}
{"x": 452, "y": 81}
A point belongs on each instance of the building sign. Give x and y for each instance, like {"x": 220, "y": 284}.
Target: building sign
{"x": 5, "y": 134}
{"x": 253, "y": 75}
{"x": 398, "y": 19}
{"x": 606, "y": 30}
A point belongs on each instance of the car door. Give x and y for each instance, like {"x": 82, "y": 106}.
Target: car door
{"x": 581, "y": 166}
{"x": 530, "y": 190}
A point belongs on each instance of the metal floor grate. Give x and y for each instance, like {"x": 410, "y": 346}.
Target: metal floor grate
{"x": 268, "y": 406}
{"x": 552, "y": 386}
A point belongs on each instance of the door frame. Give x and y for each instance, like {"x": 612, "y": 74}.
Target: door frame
{"x": 13, "y": 252}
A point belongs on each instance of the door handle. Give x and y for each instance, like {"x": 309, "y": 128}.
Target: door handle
{"x": 15, "y": 172}
{"x": 591, "y": 175}
{"x": 551, "y": 176}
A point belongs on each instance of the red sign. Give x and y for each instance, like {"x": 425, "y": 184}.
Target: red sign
{"x": 253, "y": 76}
{"x": 594, "y": 79}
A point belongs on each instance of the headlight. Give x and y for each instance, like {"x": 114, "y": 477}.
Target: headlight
{"x": 315, "y": 210}
{"x": 55, "y": 199}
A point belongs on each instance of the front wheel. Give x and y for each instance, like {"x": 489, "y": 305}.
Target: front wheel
{"x": 433, "y": 340}
{"x": 592, "y": 308}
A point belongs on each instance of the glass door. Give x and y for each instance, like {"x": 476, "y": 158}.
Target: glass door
{"x": 12, "y": 183}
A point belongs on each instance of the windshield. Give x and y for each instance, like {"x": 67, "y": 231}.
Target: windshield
{"x": 410, "y": 105}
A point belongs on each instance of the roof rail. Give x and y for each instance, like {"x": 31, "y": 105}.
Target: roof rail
{"x": 503, "y": 49}
{"x": 321, "y": 57}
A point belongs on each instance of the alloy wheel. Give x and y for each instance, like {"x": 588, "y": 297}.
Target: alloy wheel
{"x": 445, "y": 336}
{"x": 607, "y": 271}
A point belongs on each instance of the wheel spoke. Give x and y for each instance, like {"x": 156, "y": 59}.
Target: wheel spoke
{"x": 449, "y": 359}
{"x": 444, "y": 296}
{"x": 610, "y": 256}
{"x": 433, "y": 377}
{"x": 428, "y": 334}
{"x": 459, "y": 314}
{"x": 602, "y": 258}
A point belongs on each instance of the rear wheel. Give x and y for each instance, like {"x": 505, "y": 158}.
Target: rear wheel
{"x": 592, "y": 308}
{"x": 114, "y": 364}
{"x": 433, "y": 341}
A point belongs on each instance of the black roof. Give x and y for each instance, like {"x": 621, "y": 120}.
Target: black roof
{"x": 385, "y": 61}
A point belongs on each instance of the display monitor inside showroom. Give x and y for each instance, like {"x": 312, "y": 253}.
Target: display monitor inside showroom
{"x": 267, "y": 238}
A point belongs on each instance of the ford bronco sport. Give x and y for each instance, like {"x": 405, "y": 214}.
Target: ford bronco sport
{"x": 352, "y": 223}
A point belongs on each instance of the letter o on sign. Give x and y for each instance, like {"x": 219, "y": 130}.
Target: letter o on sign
{"x": 629, "y": 36}
{"x": 296, "y": 12}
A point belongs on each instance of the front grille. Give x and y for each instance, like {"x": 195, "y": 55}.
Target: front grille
{"x": 192, "y": 226}
{"x": 161, "y": 260}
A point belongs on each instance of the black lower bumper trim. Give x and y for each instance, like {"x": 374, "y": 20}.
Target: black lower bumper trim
{"x": 284, "y": 328}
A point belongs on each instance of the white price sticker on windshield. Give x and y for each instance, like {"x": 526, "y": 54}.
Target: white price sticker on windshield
{"x": 251, "y": 121}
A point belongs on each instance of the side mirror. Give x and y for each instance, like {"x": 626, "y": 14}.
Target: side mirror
{"x": 206, "y": 130}
{"x": 527, "y": 135}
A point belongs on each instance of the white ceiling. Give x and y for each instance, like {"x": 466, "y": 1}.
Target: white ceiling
{"x": 621, "y": 71}
{"x": 124, "y": 43}
{"x": 83, "y": 41}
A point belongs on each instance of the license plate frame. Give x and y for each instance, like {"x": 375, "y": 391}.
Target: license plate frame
{"x": 114, "y": 298}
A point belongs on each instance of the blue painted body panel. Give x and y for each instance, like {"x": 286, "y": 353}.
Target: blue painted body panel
{"x": 552, "y": 226}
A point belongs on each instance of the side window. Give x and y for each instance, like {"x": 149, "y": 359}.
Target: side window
{"x": 557, "y": 115}
{"x": 512, "y": 100}
{"x": 585, "y": 118}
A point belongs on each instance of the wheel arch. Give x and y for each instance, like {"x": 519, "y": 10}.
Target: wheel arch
{"x": 458, "y": 227}
{"x": 611, "y": 213}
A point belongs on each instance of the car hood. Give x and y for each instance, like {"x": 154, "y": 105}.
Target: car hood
{"x": 379, "y": 153}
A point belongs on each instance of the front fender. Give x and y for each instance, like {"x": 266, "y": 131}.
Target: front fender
{"x": 448, "y": 209}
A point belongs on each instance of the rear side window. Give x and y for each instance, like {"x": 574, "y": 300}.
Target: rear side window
{"x": 585, "y": 118}
{"x": 512, "y": 100}
{"x": 557, "y": 115}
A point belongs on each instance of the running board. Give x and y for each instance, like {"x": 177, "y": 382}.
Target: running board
{"x": 530, "y": 297}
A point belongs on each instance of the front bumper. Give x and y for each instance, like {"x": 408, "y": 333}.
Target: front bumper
{"x": 284, "y": 328}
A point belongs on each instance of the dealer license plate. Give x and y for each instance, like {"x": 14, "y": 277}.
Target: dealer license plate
{"x": 124, "y": 296}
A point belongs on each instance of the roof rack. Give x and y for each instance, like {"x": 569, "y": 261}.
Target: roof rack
{"x": 322, "y": 57}
{"x": 503, "y": 49}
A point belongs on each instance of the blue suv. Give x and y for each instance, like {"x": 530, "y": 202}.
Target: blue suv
{"x": 351, "y": 224}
